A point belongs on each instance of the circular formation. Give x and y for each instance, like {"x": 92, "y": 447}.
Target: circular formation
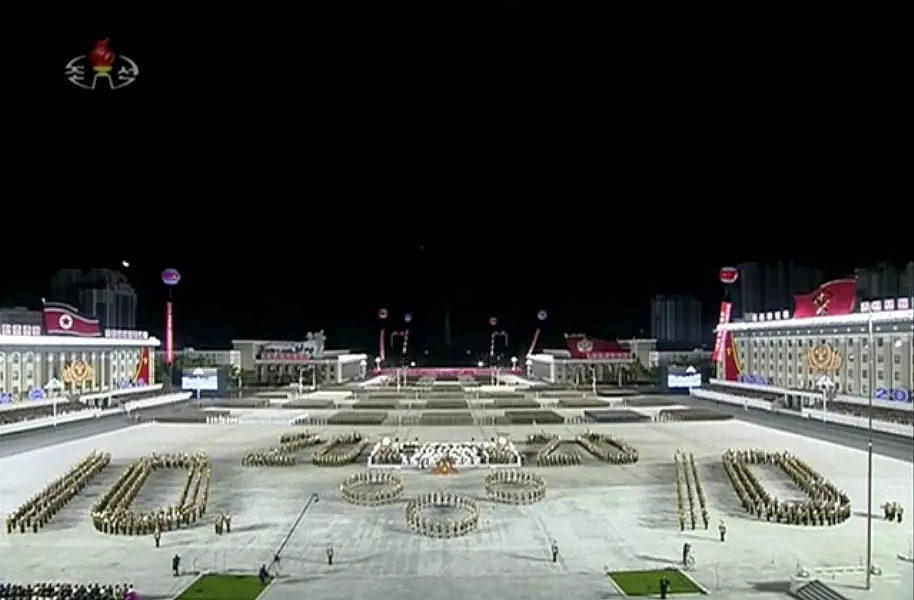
{"x": 449, "y": 526}
{"x": 372, "y": 488}
{"x": 515, "y": 487}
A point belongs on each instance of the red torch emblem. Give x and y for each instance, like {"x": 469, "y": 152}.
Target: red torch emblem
{"x": 102, "y": 57}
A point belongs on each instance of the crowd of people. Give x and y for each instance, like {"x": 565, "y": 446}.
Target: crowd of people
{"x": 333, "y": 454}
{"x": 37, "y": 511}
{"x": 286, "y": 454}
{"x": 514, "y": 487}
{"x": 826, "y": 504}
{"x": 111, "y": 513}
{"x": 371, "y": 488}
{"x": 463, "y": 524}
{"x": 66, "y": 591}
{"x": 609, "y": 448}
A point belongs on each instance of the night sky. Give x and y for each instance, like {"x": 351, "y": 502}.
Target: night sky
{"x": 279, "y": 299}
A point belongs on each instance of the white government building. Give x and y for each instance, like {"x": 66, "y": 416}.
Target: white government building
{"x": 871, "y": 352}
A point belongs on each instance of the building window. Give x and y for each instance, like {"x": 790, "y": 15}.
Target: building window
{"x": 896, "y": 375}
{"x": 896, "y": 359}
{"x": 850, "y": 387}
{"x": 879, "y": 342}
{"x": 880, "y": 374}
{"x": 864, "y": 373}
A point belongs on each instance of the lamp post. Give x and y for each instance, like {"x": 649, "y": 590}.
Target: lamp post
{"x": 869, "y": 453}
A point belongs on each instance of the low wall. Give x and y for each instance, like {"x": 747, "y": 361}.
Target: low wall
{"x": 89, "y": 413}
{"x": 808, "y": 413}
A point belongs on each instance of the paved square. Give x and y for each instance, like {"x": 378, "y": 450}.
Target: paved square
{"x": 602, "y": 517}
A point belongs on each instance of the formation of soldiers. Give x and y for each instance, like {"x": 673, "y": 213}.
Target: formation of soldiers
{"x": 331, "y": 455}
{"x": 893, "y": 511}
{"x": 65, "y": 591}
{"x": 515, "y": 487}
{"x": 372, "y": 488}
{"x": 442, "y": 528}
{"x": 111, "y": 513}
{"x": 608, "y": 448}
{"x": 37, "y": 511}
{"x": 827, "y": 505}
{"x": 286, "y": 454}
{"x": 688, "y": 490}
{"x": 547, "y": 455}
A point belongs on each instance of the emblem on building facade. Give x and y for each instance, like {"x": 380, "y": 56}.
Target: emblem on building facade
{"x": 822, "y": 359}
{"x": 584, "y": 345}
{"x": 76, "y": 372}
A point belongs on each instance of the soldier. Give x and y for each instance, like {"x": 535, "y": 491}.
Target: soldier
{"x": 722, "y": 528}
{"x": 899, "y": 513}
{"x": 686, "y": 549}
{"x": 157, "y": 536}
{"x": 176, "y": 565}
{"x": 227, "y": 518}
{"x": 262, "y": 575}
{"x": 330, "y": 555}
{"x": 555, "y": 551}
{"x": 664, "y": 586}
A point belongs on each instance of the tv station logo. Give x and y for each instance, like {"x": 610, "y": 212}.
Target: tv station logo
{"x": 102, "y": 68}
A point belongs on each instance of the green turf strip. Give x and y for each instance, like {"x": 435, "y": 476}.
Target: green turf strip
{"x": 224, "y": 587}
{"x": 647, "y": 583}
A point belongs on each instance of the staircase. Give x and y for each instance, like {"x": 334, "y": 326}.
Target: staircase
{"x": 816, "y": 590}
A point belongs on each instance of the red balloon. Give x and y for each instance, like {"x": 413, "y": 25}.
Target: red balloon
{"x": 382, "y": 314}
{"x": 729, "y": 275}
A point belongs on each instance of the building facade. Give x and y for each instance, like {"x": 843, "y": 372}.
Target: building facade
{"x": 863, "y": 354}
{"x": 676, "y": 318}
{"x": 102, "y": 294}
{"x": 36, "y": 366}
{"x": 287, "y": 361}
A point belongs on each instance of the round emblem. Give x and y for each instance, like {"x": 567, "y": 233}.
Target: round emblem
{"x": 502, "y": 441}
{"x": 584, "y": 345}
{"x": 65, "y": 321}
{"x": 823, "y": 358}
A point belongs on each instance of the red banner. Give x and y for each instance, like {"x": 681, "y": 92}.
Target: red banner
{"x": 830, "y": 299}
{"x": 63, "y": 319}
{"x": 726, "y": 309}
{"x": 588, "y": 348}
{"x": 732, "y": 367}
{"x": 141, "y": 376}
{"x": 169, "y": 333}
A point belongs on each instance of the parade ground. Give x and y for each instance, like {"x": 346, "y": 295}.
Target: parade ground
{"x": 603, "y": 517}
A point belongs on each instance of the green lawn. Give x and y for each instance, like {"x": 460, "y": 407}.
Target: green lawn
{"x": 647, "y": 583}
{"x": 224, "y": 587}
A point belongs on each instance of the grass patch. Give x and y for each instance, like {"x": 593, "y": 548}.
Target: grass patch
{"x": 224, "y": 587}
{"x": 647, "y": 583}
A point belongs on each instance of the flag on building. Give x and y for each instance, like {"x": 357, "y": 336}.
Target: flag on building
{"x": 829, "y": 299}
{"x": 63, "y": 319}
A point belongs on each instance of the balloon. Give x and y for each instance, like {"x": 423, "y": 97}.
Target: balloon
{"x": 171, "y": 277}
{"x": 407, "y": 318}
{"x": 729, "y": 275}
{"x": 382, "y": 314}
{"x": 541, "y": 315}
{"x": 493, "y": 321}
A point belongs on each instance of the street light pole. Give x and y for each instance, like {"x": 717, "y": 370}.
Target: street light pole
{"x": 869, "y": 456}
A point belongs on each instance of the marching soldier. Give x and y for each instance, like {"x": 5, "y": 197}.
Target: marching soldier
{"x": 555, "y": 551}
{"x": 686, "y": 550}
{"x": 157, "y": 536}
{"x": 664, "y": 586}
{"x": 722, "y": 529}
{"x": 330, "y": 555}
{"x": 228, "y": 522}
{"x": 176, "y": 565}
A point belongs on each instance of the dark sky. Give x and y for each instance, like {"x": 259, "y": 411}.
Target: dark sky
{"x": 269, "y": 296}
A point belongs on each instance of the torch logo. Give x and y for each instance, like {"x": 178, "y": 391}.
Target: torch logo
{"x": 102, "y": 65}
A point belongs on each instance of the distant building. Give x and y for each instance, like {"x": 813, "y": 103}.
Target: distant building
{"x": 20, "y": 315}
{"x": 216, "y": 357}
{"x": 100, "y": 293}
{"x": 676, "y": 318}
{"x": 771, "y": 287}
{"x": 884, "y": 280}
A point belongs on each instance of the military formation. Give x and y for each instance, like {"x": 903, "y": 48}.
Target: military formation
{"x": 547, "y": 455}
{"x": 111, "y": 513}
{"x": 286, "y": 454}
{"x": 893, "y": 512}
{"x": 827, "y": 505}
{"x": 442, "y": 528}
{"x": 332, "y": 455}
{"x": 372, "y": 488}
{"x": 65, "y": 591}
{"x": 514, "y": 487}
{"x": 38, "y": 510}
{"x": 690, "y": 495}
{"x": 608, "y": 448}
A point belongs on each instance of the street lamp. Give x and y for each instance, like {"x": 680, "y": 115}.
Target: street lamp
{"x": 513, "y": 363}
{"x": 529, "y": 368}
{"x": 377, "y": 363}
{"x": 869, "y": 453}
{"x": 480, "y": 364}
{"x": 363, "y": 368}
{"x": 827, "y": 385}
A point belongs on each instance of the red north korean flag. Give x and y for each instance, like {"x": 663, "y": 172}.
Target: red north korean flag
{"x": 833, "y": 298}
{"x": 63, "y": 319}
